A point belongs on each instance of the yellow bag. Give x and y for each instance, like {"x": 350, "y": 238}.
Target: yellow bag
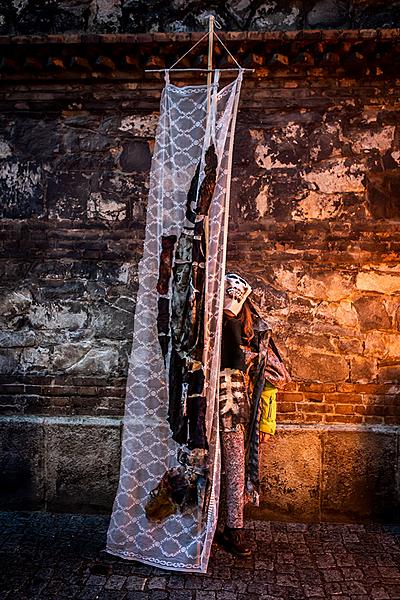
{"x": 268, "y": 409}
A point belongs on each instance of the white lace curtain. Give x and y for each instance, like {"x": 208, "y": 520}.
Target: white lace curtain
{"x": 182, "y": 541}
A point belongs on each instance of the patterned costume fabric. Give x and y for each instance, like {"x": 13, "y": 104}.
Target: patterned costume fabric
{"x": 234, "y": 403}
{"x": 233, "y": 464}
{"x": 181, "y": 541}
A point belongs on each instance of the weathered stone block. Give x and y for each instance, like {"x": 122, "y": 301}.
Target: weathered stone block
{"x": 359, "y": 475}
{"x": 382, "y": 345}
{"x": 290, "y": 472}
{"x": 35, "y": 360}
{"x": 135, "y": 157}
{"x": 375, "y": 281}
{"x": 36, "y": 139}
{"x": 22, "y": 463}
{"x": 9, "y": 361}
{"x": 372, "y": 313}
{"x": 389, "y": 371}
{"x": 112, "y": 322}
{"x": 82, "y": 463}
{"x": 327, "y": 14}
{"x": 363, "y": 370}
{"x": 58, "y": 315}
{"x": 86, "y": 359}
{"x": 319, "y": 367}
{"x": 17, "y": 339}
{"x": 326, "y": 286}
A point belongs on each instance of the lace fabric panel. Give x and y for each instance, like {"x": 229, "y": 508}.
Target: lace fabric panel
{"x": 182, "y": 541}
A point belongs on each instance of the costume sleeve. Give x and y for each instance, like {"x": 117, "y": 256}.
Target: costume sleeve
{"x": 234, "y": 329}
{"x": 268, "y": 409}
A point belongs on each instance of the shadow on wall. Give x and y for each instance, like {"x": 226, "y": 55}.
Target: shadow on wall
{"x": 59, "y": 464}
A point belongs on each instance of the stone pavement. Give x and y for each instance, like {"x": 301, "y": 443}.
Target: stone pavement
{"x": 53, "y": 556}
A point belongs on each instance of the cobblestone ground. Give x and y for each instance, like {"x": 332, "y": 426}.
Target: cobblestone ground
{"x": 51, "y": 556}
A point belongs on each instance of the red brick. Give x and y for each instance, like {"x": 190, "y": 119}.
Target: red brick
{"x": 343, "y": 419}
{"x": 344, "y": 409}
{"x": 317, "y": 387}
{"x": 285, "y": 407}
{"x": 392, "y": 420}
{"x": 289, "y": 417}
{"x": 371, "y": 420}
{"x": 308, "y": 407}
{"x": 344, "y": 398}
{"x": 316, "y": 418}
{"x": 310, "y": 397}
{"x": 289, "y": 397}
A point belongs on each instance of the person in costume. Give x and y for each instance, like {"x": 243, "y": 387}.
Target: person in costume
{"x": 245, "y": 416}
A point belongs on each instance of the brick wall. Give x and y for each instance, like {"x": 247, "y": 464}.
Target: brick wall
{"x": 313, "y": 225}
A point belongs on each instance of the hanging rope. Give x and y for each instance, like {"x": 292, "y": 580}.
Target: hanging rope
{"x": 211, "y": 34}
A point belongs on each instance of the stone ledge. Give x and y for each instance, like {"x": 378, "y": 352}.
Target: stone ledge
{"x": 118, "y": 422}
{"x": 233, "y": 36}
{"x": 309, "y": 472}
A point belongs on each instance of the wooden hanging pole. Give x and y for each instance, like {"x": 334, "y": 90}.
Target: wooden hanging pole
{"x": 211, "y": 23}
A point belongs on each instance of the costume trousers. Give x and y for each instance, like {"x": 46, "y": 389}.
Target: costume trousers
{"x": 233, "y": 464}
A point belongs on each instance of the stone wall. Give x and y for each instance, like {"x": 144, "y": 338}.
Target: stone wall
{"x": 28, "y": 17}
{"x": 314, "y": 226}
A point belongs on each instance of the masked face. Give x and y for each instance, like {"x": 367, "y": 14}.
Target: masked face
{"x": 236, "y": 291}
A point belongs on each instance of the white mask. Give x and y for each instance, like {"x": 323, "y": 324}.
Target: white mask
{"x": 236, "y": 291}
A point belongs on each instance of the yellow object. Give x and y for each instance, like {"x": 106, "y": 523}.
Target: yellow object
{"x": 268, "y": 409}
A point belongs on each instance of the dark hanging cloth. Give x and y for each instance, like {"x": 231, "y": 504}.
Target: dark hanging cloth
{"x": 232, "y": 355}
{"x": 183, "y": 331}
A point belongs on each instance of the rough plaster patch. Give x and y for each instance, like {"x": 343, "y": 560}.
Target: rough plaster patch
{"x": 140, "y": 126}
{"x": 396, "y": 156}
{"x": 370, "y": 113}
{"x": 21, "y": 177}
{"x": 267, "y": 158}
{"x": 5, "y": 149}
{"x": 317, "y": 206}
{"x": 103, "y": 208}
{"x": 336, "y": 176}
{"x": 367, "y": 141}
{"x": 287, "y": 279}
{"x": 53, "y": 316}
{"x": 292, "y": 131}
{"x": 267, "y": 15}
{"x": 20, "y": 5}
{"x": 108, "y": 12}
{"x": 123, "y": 273}
{"x": 262, "y": 201}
